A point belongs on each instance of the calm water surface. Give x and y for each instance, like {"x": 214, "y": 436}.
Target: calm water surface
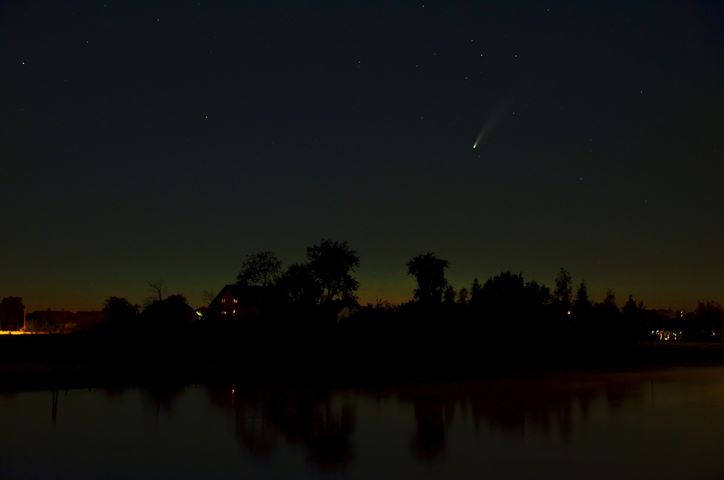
{"x": 667, "y": 424}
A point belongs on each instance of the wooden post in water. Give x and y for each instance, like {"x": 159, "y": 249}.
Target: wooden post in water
{"x": 54, "y": 408}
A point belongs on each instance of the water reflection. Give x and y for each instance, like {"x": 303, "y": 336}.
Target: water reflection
{"x": 161, "y": 398}
{"x": 514, "y": 406}
{"x": 266, "y": 417}
{"x": 315, "y": 419}
{"x": 308, "y": 417}
{"x": 346, "y": 431}
{"x": 433, "y": 415}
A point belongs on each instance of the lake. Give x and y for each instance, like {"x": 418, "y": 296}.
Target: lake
{"x": 658, "y": 424}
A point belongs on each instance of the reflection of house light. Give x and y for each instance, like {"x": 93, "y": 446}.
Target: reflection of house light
{"x": 568, "y": 312}
{"x": 233, "y": 312}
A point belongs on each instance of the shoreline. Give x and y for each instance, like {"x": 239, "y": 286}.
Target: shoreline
{"x": 95, "y": 364}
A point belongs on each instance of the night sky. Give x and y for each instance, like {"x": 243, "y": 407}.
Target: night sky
{"x": 166, "y": 140}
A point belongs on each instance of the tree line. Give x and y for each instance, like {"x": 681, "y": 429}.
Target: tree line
{"x": 504, "y": 306}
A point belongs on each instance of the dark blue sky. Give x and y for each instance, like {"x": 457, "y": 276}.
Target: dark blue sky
{"x": 148, "y": 140}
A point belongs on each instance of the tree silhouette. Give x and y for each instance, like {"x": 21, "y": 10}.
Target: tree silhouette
{"x": 708, "y": 318}
{"x": 504, "y": 292}
{"x": 429, "y": 272}
{"x": 508, "y": 294}
{"x": 475, "y": 290}
{"x": 332, "y": 263}
{"x": 208, "y": 296}
{"x": 299, "y": 286}
{"x": 608, "y": 307}
{"x": 564, "y": 289}
{"x": 582, "y": 306}
{"x": 11, "y": 313}
{"x": 449, "y": 295}
{"x": 537, "y": 294}
{"x": 260, "y": 269}
{"x": 635, "y": 319}
{"x": 170, "y": 313}
{"x": 631, "y": 308}
{"x": 119, "y": 312}
{"x": 463, "y": 296}
{"x": 157, "y": 288}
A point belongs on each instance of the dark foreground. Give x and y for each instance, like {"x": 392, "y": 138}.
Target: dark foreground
{"x": 330, "y": 357}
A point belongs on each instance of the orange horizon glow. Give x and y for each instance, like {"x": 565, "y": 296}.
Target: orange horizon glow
{"x": 21, "y": 332}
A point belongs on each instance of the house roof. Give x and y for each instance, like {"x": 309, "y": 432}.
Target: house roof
{"x": 245, "y": 294}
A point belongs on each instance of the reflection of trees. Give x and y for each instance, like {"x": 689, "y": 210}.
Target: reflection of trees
{"x": 519, "y": 406}
{"x": 432, "y": 417}
{"x": 162, "y": 397}
{"x": 549, "y": 406}
{"x": 263, "y": 418}
{"x": 317, "y": 421}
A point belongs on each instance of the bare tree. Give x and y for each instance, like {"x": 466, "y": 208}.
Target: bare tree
{"x": 208, "y": 296}
{"x": 157, "y": 288}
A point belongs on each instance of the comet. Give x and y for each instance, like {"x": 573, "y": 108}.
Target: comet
{"x": 491, "y": 122}
{"x": 477, "y": 140}
{"x": 487, "y": 126}
{"x": 485, "y": 129}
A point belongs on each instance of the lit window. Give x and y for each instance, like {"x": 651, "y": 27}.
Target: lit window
{"x": 236, "y": 301}
{"x": 223, "y": 312}
{"x": 223, "y": 300}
